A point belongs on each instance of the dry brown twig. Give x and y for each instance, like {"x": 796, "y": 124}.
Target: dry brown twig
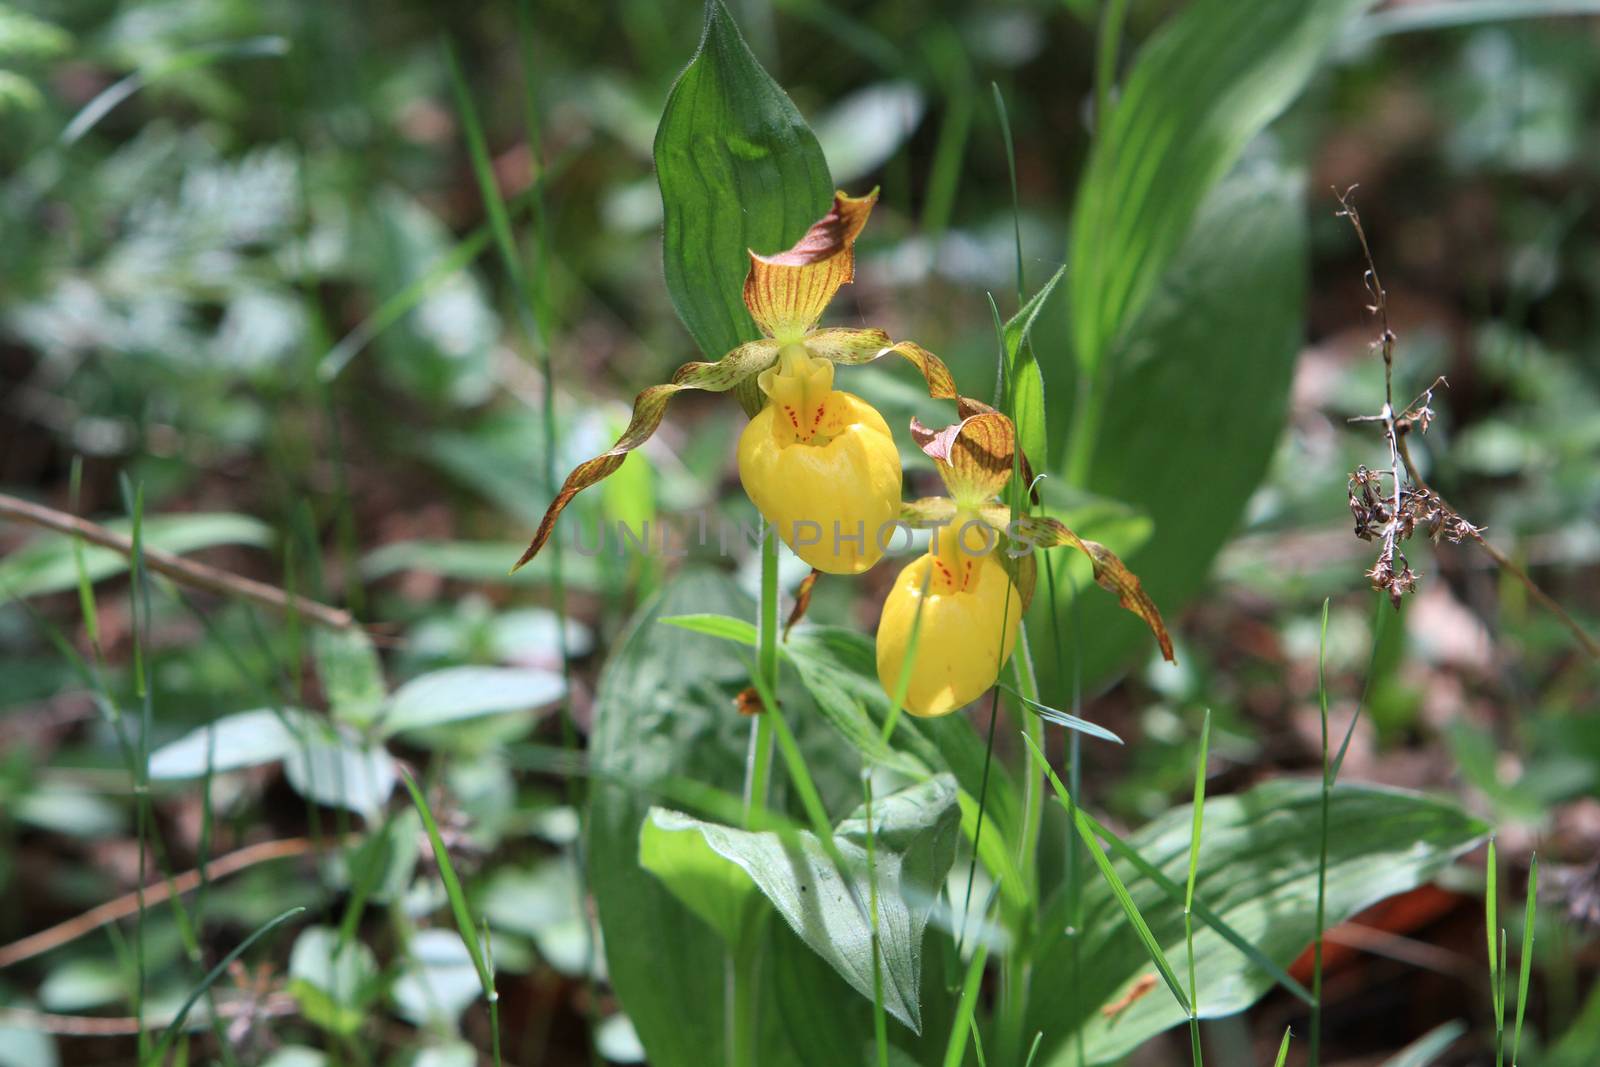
{"x": 276, "y": 1005}
{"x": 155, "y": 893}
{"x": 1390, "y": 513}
{"x": 187, "y": 572}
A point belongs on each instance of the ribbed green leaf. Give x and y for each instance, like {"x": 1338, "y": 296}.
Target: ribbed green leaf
{"x": 664, "y": 713}
{"x": 739, "y": 170}
{"x": 1207, "y": 83}
{"x": 1199, "y": 398}
{"x": 1258, "y": 873}
{"x": 915, "y": 833}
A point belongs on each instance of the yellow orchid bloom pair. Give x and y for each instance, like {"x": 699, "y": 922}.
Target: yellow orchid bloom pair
{"x": 822, "y": 468}
{"x": 977, "y": 577}
{"x": 812, "y": 456}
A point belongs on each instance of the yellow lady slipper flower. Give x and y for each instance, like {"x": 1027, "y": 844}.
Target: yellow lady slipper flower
{"x": 819, "y": 464}
{"x": 970, "y": 589}
{"x": 970, "y": 610}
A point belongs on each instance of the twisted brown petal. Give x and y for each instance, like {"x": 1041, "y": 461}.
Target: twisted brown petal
{"x": 1110, "y": 572}
{"x": 786, "y": 293}
{"x": 648, "y": 407}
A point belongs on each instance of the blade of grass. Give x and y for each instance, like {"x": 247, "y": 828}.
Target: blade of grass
{"x": 955, "y": 1048}
{"x": 880, "y": 1019}
{"x": 1064, "y": 719}
{"x": 1322, "y": 842}
{"x": 176, "y": 1028}
{"x": 1175, "y": 893}
{"x": 141, "y": 768}
{"x": 1429, "y": 1047}
{"x": 1129, "y": 908}
{"x": 532, "y": 316}
{"x": 1491, "y": 923}
{"x": 1188, "y": 892}
{"x": 947, "y": 58}
{"x": 267, "y": 46}
{"x": 1527, "y": 956}
{"x": 459, "y": 908}
{"x": 1283, "y": 1049}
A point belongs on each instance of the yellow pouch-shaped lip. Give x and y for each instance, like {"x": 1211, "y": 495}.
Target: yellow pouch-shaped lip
{"x": 833, "y": 498}
{"x": 961, "y": 648}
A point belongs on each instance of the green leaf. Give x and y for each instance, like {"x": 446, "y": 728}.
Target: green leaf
{"x": 46, "y": 565}
{"x": 1202, "y": 87}
{"x": 1258, "y": 873}
{"x": 708, "y": 884}
{"x": 243, "y": 739}
{"x": 740, "y": 631}
{"x": 1027, "y": 382}
{"x": 457, "y": 693}
{"x": 664, "y": 714}
{"x": 437, "y": 981}
{"x": 739, "y": 170}
{"x": 1430, "y": 1046}
{"x": 341, "y": 770}
{"x": 334, "y": 983}
{"x": 1198, "y": 402}
{"x": 543, "y": 902}
{"x": 466, "y": 927}
{"x": 352, "y": 678}
{"x": 915, "y": 833}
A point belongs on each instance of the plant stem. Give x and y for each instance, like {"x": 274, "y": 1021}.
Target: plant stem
{"x": 1322, "y": 861}
{"x": 740, "y": 1000}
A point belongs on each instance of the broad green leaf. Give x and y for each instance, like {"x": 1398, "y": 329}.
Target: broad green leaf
{"x": 296, "y": 1056}
{"x": 437, "y": 980}
{"x": 664, "y": 713}
{"x": 839, "y": 668}
{"x": 457, "y": 693}
{"x": 455, "y": 1054}
{"x": 46, "y": 565}
{"x": 739, "y": 170}
{"x": 543, "y": 902}
{"x": 78, "y": 985}
{"x": 1198, "y": 401}
{"x": 710, "y": 885}
{"x": 1258, "y": 872}
{"x": 243, "y": 739}
{"x": 618, "y": 1041}
{"x": 334, "y": 983}
{"x": 352, "y": 678}
{"x": 915, "y": 832}
{"x": 1451, "y": 14}
{"x": 340, "y": 770}
{"x": 1203, "y": 86}
{"x": 25, "y": 1046}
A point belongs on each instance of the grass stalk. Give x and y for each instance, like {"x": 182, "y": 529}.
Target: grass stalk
{"x": 1188, "y": 894}
{"x": 1526, "y": 970}
{"x": 1129, "y": 909}
{"x": 1322, "y": 843}
{"x": 880, "y": 1020}
{"x": 1491, "y": 924}
{"x": 460, "y": 909}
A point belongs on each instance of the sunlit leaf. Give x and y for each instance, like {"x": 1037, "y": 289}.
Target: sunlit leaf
{"x": 739, "y": 170}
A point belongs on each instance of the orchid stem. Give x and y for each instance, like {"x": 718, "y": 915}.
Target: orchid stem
{"x": 740, "y": 994}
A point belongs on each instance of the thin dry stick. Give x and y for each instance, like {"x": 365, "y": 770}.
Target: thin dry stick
{"x": 278, "y": 1004}
{"x": 188, "y": 572}
{"x": 155, "y": 893}
{"x": 1395, "y": 427}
